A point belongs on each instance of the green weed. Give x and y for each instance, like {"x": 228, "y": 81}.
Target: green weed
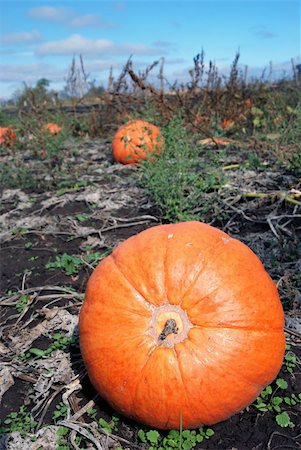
{"x": 180, "y": 440}
{"x": 61, "y": 412}
{"x": 59, "y": 342}
{"x": 22, "y": 302}
{"x": 15, "y": 174}
{"x": 66, "y": 186}
{"x": 290, "y": 359}
{"x": 110, "y": 426}
{"x": 177, "y": 180}
{"x": 20, "y": 421}
{"x": 269, "y": 401}
{"x": 72, "y": 265}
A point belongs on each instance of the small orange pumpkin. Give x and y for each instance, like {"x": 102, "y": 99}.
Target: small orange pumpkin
{"x": 181, "y": 324}
{"x": 135, "y": 140}
{"x": 7, "y": 137}
{"x": 53, "y": 128}
{"x": 227, "y": 124}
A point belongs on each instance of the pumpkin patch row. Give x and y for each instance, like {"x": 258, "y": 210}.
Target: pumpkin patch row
{"x": 8, "y": 136}
{"x": 173, "y": 330}
{"x": 181, "y": 325}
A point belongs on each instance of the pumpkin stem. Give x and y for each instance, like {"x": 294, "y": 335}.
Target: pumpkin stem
{"x": 169, "y": 327}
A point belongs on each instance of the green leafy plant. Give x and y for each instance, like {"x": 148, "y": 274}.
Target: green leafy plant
{"x": 91, "y": 412}
{"x": 59, "y": 342}
{"x": 269, "y": 401}
{"x": 71, "y": 265}
{"x": 16, "y": 174}
{"x": 253, "y": 162}
{"x": 293, "y": 400}
{"x": 284, "y": 421}
{"x": 81, "y": 217}
{"x": 20, "y": 421}
{"x": 177, "y": 179}
{"x": 63, "y": 442}
{"x": 180, "y": 440}
{"x": 70, "y": 186}
{"x": 259, "y": 118}
{"x": 290, "y": 359}
{"x": 61, "y": 412}
{"x": 110, "y": 426}
{"x": 22, "y": 302}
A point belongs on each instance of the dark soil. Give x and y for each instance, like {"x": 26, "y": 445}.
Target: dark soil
{"x": 38, "y": 227}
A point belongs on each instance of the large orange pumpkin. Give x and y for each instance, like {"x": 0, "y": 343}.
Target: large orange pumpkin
{"x": 181, "y": 323}
{"x": 135, "y": 140}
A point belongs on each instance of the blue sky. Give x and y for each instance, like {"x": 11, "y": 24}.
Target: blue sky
{"x": 39, "y": 38}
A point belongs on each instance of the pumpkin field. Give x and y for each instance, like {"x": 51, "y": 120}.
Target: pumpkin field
{"x": 223, "y": 152}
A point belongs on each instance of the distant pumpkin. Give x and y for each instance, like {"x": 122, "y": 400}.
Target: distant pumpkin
{"x": 227, "y": 124}
{"x": 7, "y": 137}
{"x": 135, "y": 140}
{"x": 181, "y": 325}
{"x": 53, "y": 128}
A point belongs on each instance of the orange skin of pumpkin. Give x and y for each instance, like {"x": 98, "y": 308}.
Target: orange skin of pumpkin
{"x": 7, "y": 136}
{"x": 135, "y": 140}
{"x": 229, "y": 343}
{"x": 53, "y": 128}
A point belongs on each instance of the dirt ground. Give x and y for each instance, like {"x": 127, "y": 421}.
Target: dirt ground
{"x": 38, "y": 227}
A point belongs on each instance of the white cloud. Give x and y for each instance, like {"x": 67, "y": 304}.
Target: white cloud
{"x": 119, "y": 6}
{"x": 89, "y": 20}
{"x": 26, "y": 37}
{"x": 50, "y": 13}
{"x": 68, "y": 17}
{"x": 30, "y": 73}
{"x": 161, "y": 43}
{"x": 79, "y": 44}
{"x": 262, "y": 32}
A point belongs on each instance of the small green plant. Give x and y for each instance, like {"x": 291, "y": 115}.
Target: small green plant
{"x": 293, "y": 400}
{"x": 20, "y": 421}
{"x": 259, "y": 118}
{"x": 269, "y": 401}
{"x": 63, "y": 433}
{"x": 91, "y": 413}
{"x": 294, "y": 163}
{"x": 180, "y": 440}
{"x": 284, "y": 421}
{"x": 253, "y": 162}
{"x": 71, "y": 186}
{"x": 18, "y": 232}
{"x": 61, "y": 412}
{"x": 62, "y": 443}
{"x": 81, "y": 217}
{"x": 22, "y": 302}
{"x": 110, "y": 426}
{"x": 290, "y": 359}
{"x": 59, "y": 342}
{"x": 71, "y": 265}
